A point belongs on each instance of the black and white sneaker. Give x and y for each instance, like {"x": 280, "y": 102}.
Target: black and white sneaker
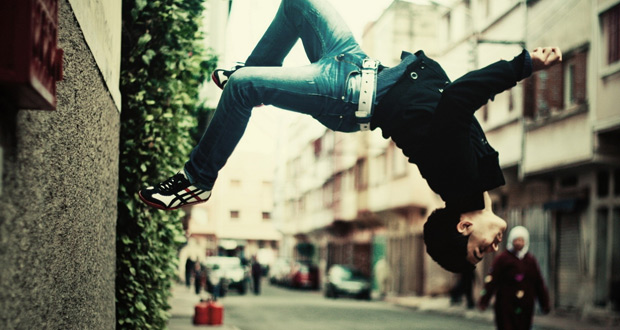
{"x": 173, "y": 193}
{"x": 220, "y": 76}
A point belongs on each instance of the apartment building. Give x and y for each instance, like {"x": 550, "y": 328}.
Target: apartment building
{"x": 557, "y": 135}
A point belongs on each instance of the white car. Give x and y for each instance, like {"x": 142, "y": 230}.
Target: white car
{"x": 233, "y": 274}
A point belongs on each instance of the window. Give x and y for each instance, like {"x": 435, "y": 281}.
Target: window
{"x": 558, "y": 87}
{"x": 570, "y": 84}
{"x": 235, "y": 183}
{"x": 234, "y": 214}
{"x": 361, "y": 175}
{"x": 399, "y": 161}
{"x": 575, "y": 78}
{"x": 617, "y": 182}
{"x": 317, "y": 146}
{"x": 266, "y": 215}
{"x": 611, "y": 33}
{"x": 448, "y": 22}
{"x": 602, "y": 184}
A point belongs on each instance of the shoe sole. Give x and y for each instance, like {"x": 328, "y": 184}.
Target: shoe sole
{"x": 157, "y": 206}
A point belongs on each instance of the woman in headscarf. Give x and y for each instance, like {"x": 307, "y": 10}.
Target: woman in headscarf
{"x": 516, "y": 281}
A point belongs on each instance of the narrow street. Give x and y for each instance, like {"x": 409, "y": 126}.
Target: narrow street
{"x": 281, "y": 308}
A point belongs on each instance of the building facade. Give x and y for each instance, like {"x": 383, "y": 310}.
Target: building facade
{"x": 59, "y": 174}
{"x": 557, "y": 135}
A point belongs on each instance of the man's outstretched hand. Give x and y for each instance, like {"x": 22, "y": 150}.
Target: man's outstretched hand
{"x": 545, "y": 57}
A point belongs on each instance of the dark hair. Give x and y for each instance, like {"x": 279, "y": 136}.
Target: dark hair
{"x": 446, "y": 245}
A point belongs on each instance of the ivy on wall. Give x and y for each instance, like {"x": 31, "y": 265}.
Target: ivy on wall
{"x": 163, "y": 65}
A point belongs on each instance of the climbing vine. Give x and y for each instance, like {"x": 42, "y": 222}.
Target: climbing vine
{"x": 163, "y": 66}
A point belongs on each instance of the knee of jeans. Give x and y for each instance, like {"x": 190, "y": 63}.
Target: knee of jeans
{"x": 241, "y": 87}
{"x": 239, "y": 79}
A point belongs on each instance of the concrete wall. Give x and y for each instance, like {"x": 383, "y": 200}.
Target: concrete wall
{"x": 58, "y": 204}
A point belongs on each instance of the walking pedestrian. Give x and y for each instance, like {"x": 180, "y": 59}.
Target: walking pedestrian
{"x": 464, "y": 287}
{"x": 199, "y": 277}
{"x": 257, "y": 273}
{"x": 516, "y": 282}
{"x": 414, "y": 103}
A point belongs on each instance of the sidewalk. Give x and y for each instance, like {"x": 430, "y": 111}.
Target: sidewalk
{"x": 182, "y": 310}
{"x": 442, "y": 305}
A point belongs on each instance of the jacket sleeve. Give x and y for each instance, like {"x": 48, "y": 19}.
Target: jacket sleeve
{"x": 451, "y": 126}
{"x": 491, "y": 282}
{"x": 462, "y": 98}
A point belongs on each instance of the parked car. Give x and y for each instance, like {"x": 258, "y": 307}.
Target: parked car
{"x": 343, "y": 280}
{"x": 304, "y": 275}
{"x": 234, "y": 274}
{"x": 278, "y": 274}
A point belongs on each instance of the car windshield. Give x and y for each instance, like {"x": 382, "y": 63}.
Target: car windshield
{"x": 349, "y": 274}
{"x": 224, "y": 262}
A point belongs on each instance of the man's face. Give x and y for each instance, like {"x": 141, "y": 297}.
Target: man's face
{"x": 486, "y": 231}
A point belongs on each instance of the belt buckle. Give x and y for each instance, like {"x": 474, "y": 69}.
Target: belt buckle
{"x": 370, "y": 63}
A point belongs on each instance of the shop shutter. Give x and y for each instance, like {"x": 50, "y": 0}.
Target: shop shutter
{"x": 568, "y": 275}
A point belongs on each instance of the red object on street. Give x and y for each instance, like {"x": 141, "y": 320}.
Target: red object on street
{"x": 30, "y": 60}
{"x": 216, "y": 313}
{"x": 201, "y": 313}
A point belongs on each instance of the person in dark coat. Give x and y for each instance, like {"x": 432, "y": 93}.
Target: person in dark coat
{"x": 257, "y": 273}
{"x": 414, "y": 103}
{"x": 464, "y": 286}
{"x": 189, "y": 271}
{"x": 516, "y": 282}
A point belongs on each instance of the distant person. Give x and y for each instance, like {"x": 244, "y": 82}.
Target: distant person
{"x": 189, "y": 271}
{"x": 214, "y": 281}
{"x": 199, "y": 277}
{"x": 257, "y": 273}
{"x": 382, "y": 276}
{"x": 414, "y": 103}
{"x": 516, "y": 281}
{"x": 464, "y": 287}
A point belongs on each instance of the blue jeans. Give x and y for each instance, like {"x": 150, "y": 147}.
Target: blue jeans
{"x": 327, "y": 89}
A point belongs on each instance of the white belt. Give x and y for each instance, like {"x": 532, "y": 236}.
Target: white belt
{"x": 368, "y": 90}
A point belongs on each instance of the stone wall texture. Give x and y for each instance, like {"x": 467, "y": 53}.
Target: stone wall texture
{"x": 59, "y": 199}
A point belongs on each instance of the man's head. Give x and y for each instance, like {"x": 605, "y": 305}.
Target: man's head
{"x": 457, "y": 242}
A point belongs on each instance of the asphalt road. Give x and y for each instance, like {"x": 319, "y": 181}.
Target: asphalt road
{"x": 279, "y": 308}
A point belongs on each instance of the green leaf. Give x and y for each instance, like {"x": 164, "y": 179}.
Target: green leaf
{"x": 140, "y": 4}
{"x": 144, "y": 39}
{"x": 148, "y": 56}
{"x": 140, "y": 306}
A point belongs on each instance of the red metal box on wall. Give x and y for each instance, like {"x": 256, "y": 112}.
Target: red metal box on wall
{"x": 30, "y": 62}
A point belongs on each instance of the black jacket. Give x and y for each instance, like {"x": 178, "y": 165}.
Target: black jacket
{"x": 432, "y": 120}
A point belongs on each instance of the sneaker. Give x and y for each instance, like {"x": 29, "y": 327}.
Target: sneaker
{"x": 173, "y": 193}
{"x": 220, "y": 76}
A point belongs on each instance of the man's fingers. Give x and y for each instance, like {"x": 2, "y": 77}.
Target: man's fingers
{"x": 546, "y": 57}
{"x": 554, "y": 56}
{"x": 557, "y": 52}
{"x": 546, "y": 53}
